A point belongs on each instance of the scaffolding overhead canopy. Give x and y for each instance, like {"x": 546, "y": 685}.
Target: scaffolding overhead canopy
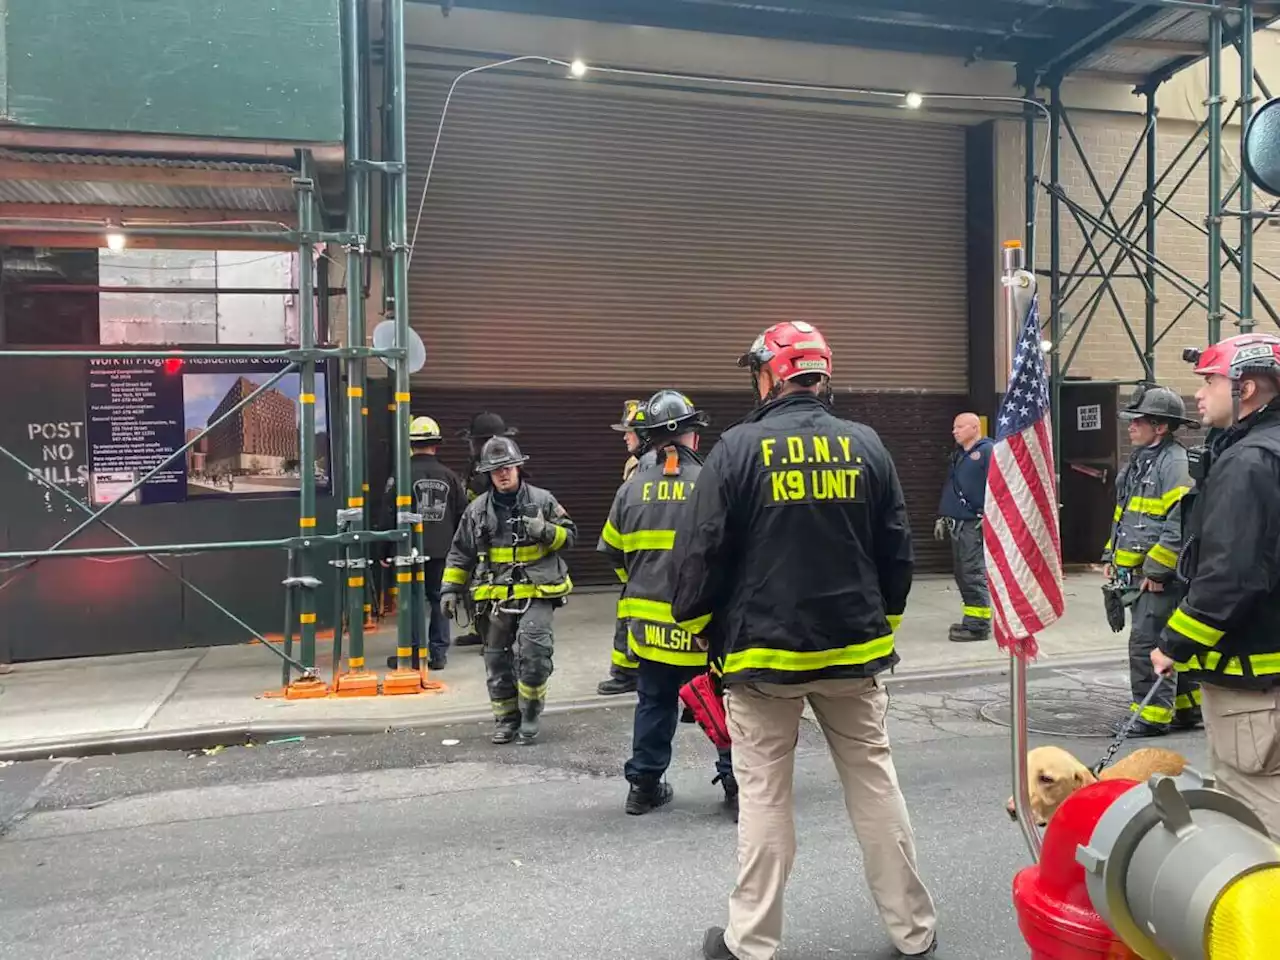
{"x": 1109, "y": 39}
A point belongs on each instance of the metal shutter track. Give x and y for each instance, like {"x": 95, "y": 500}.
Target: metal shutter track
{"x": 573, "y": 232}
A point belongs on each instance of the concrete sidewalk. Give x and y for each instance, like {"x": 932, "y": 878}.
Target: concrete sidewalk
{"x": 217, "y": 694}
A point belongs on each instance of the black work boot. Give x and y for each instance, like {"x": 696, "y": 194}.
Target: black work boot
{"x": 1142, "y": 728}
{"x": 959, "y": 633}
{"x": 530, "y": 712}
{"x": 714, "y": 947}
{"x": 928, "y": 951}
{"x": 647, "y": 796}
{"x": 468, "y": 640}
{"x": 1188, "y": 719}
{"x": 730, "y": 785}
{"x": 616, "y": 685}
{"x": 505, "y": 728}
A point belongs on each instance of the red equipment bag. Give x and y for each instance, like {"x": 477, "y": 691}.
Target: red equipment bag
{"x": 704, "y": 702}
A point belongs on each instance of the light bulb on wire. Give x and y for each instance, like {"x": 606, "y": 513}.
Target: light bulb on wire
{"x": 578, "y": 68}
{"x": 914, "y": 100}
{"x": 116, "y": 241}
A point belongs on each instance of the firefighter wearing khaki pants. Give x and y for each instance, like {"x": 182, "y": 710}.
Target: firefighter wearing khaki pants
{"x": 1225, "y": 632}
{"x": 796, "y": 542}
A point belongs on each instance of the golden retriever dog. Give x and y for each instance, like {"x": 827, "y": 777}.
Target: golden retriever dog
{"x": 1053, "y": 774}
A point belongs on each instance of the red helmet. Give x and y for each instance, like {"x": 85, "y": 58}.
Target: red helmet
{"x": 790, "y": 349}
{"x": 1237, "y": 356}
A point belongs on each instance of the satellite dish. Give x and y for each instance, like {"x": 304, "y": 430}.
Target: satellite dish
{"x": 1260, "y": 148}
{"x": 384, "y": 338}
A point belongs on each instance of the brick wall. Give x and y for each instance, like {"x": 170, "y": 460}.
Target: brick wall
{"x": 1105, "y": 351}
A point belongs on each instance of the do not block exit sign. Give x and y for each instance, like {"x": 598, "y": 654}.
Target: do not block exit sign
{"x": 1089, "y": 417}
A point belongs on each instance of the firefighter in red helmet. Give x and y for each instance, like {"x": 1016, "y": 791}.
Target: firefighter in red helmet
{"x": 796, "y": 542}
{"x": 1225, "y": 633}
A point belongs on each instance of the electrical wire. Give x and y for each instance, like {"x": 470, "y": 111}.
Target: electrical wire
{"x": 717, "y": 81}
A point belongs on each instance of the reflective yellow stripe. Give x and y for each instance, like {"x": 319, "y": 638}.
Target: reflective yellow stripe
{"x": 1193, "y": 629}
{"x": 1127, "y": 558}
{"x": 1265, "y": 664}
{"x": 620, "y": 659}
{"x": 355, "y": 581}
{"x": 531, "y": 693}
{"x": 978, "y": 613}
{"x": 1187, "y": 701}
{"x": 306, "y": 618}
{"x": 1163, "y": 556}
{"x": 455, "y": 575}
{"x": 1153, "y": 714}
{"x": 306, "y": 523}
{"x": 1119, "y": 511}
{"x": 355, "y": 501}
{"x": 306, "y": 398}
{"x": 404, "y": 577}
{"x": 517, "y": 554}
{"x": 558, "y": 539}
{"x": 622, "y": 574}
{"x": 895, "y": 621}
{"x": 355, "y": 391}
{"x": 1158, "y": 506}
{"x": 402, "y": 398}
{"x": 355, "y": 663}
{"x": 796, "y": 661}
{"x": 523, "y": 591}
{"x": 504, "y": 708}
{"x": 403, "y": 501}
{"x": 658, "y": 612}
{"x": 675, "y": 658}
{"x": 638, "y": 539}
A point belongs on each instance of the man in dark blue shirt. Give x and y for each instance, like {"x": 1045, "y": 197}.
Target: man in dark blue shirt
{"x": 960, "y": 516}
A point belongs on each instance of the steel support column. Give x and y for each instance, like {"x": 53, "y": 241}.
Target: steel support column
{"x": 1029, "y": 191}
{"x": 1245, "y": 47}
{"x": 355, "y": 516}
{"x": 1214, "y": 220}
{"x": 306, "y": 581}
{"x": 1055, "y": 276}
{"x": 1149, "y": 207}
{"x": 396, "y": 233}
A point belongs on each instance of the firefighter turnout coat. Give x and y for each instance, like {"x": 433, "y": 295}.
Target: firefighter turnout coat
{"x": 637, "y": 538}
{"x": 1226, "y": 631}
{"x": 797, "y": 542}
{"x": 505, "y": 567}
{"x": 1146, "y": 528}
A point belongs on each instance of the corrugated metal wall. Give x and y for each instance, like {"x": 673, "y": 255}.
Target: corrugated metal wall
{"x": 581, "y": 244}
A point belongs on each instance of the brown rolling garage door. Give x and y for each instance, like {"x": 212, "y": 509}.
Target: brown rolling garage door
{"x": 581, "y": 244}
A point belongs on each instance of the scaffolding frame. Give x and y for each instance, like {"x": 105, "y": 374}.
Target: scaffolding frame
{"x": 354, "y": 535}
{"x": 1115, "y": 249}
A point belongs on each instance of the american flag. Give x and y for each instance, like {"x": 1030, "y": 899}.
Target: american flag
{"x": 1020, "y": 533}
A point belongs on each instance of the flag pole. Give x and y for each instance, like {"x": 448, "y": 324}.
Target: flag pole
{"x": 1019, "y": 287}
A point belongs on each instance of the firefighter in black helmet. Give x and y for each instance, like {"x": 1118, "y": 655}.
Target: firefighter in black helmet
{"x": 508, "y": 549}
{"x": 1142, "y": 553}
{"x": 623, "y": 666}
{"x": 638, "y": 538}
{"x": 482, "y": 428}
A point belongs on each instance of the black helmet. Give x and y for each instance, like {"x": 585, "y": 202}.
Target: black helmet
{"x": 629, "y": 410}
{"x": 499, "y": 452}
{"x": 1158, "y": 403}
{"x": 666, "y": 415}
{"x": 486, "y": 425}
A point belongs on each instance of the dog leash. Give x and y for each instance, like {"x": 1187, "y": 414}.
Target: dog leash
{"x": 1128, "y": 725}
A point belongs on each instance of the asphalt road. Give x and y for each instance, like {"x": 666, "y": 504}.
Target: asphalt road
{"x": 401, "y": 845}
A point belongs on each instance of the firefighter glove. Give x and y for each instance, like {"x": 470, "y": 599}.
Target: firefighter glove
{"x": 449, "y": 605}
{"x": 535, "y": 528}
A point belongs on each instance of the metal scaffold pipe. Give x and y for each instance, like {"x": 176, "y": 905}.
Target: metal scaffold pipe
{"x": 396, "y": 230}
{"x": 306, "y": 582}
{"x": 1214, "y": 221}
{"x": 356, "y": 513}
{"x": 1149, "y": 207}
{"x": 1245, "y": 46}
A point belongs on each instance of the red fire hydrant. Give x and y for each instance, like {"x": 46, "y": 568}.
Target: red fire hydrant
{"x": 1054, "y": 913}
